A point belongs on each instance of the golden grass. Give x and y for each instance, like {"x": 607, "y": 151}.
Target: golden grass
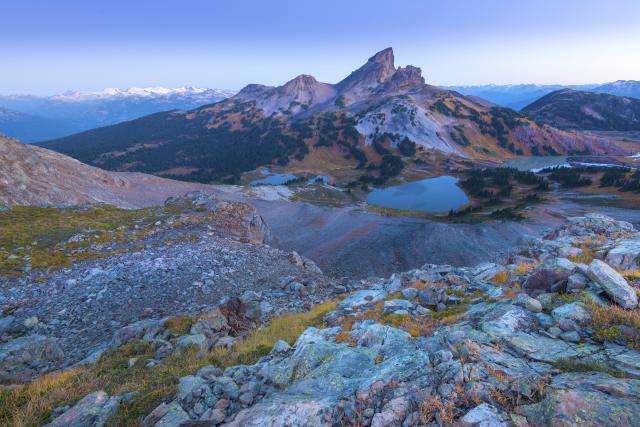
{"x": 500, "y": 278}
{"x": 631, "y": 274}
{"x": 524, "y": 268}
{"x": 31, "y": 404}
{"x": 605, "y": 318}
{"x": 179, "y": 325}
{"x": 587, "y": 254}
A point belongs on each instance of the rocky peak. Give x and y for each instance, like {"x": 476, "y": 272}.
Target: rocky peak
{"x": 252, "y": 91}
{"x": 405, "y": 77}
{"x": 301, "y": 82}
{"x": 377, "y": 69}
{"x": 384, "y": 57}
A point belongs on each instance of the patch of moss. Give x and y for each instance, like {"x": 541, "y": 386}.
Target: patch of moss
{"x": 450, "y": 312}
{"x": 179, "y": 325}
{"x": 576, "y": 365}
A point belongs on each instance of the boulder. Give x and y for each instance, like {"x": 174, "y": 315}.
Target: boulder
{"x": 544, "y": 280}
{"x": 613, "y": 284}
{"x": 173, "y": 416}
{"x": 93, "y": 410}
{"x": 483, "y": 415}
{"x": 587, "y": 398}
{"x": 361, "y": 299}
{"x": 574, "y": 311}
{"x": 26, "y": 356}
{"x": 625, "y": 254}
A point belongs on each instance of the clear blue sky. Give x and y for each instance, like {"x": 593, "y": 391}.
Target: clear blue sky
{"x": 48, "y": 46}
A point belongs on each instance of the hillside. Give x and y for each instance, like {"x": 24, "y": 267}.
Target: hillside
{"x": 547, "y": 335}
{"x": 520, "y": 95}
{"x": 72, "y": 112}
{"x": 32, "y": 175}
{"x": 368, "y": 126}
{"x": 30, "y": 127}
{"x": 572, "y": 109}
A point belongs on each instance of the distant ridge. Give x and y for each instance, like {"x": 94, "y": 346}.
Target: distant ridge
{"x": 353, "y": 128}
{"x": 574, "y": 109}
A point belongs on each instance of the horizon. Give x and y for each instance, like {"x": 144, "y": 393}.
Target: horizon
{"x": 72, "y": 45}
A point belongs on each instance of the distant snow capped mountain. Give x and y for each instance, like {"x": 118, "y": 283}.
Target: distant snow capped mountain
{"x": 520, "y": 95}
{"x": 144, "y": 92}
{"x": 621, "y": 88}
{"x": 77, "y": 111}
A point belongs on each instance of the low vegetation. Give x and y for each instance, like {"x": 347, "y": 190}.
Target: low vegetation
{"x": 31, "y": 404}
{"x": 44, "y": 238}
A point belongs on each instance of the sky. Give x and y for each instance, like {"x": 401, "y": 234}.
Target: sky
{"x": 49, "y": 46}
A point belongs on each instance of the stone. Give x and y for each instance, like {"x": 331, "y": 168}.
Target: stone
{"x": 409, "y": 293}
{"x": 625, "y": 254}
{"x": 576, "y": 282}
{"x": 187, "y": 385}
{"x": 186, "y": 341}
{"x": 483, "y": 415}
{"x": 613, "y": 284}
{"x": 398, "y": 304}
{"x": 214, "y": 318}
{"x": 486, "y": 272}
{"x": 574, "y": 311}
{"x": 571, "y": 336}
{"x": 546, "y": 279}
{"x": 173, "y": 417}
{"x": 527, "y": 302}
{"x": 280, "y": 347}
{"x": 590, "y": 398}
{"x": 362, "y": 298}
{"x": 92, "y": 410}
{"x": 26, "y": 356}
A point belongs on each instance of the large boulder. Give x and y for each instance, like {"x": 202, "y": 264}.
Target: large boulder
{"x": 613, "y": 284}
{"x": 625, "y": 254}
{"x": 93, "y": 410}
{"x": 545, "y": 279}
{"x": 24, "y": 357}
{"x": 589, "y": 398}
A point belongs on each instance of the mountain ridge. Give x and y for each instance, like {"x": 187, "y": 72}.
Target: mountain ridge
{"x": 567, "y": 108}
{"x": 315, "y": 126}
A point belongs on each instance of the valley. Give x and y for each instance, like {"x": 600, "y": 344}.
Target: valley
{"x": 380, "y": 251}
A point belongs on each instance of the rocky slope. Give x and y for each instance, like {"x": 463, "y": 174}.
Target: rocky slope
{"x": 323, "y": 128}
{"x": 208, "y": 250}
{"x": 571, "y": 109}
{"x": 545, "y": 336}
{"x": 32, "y": 175}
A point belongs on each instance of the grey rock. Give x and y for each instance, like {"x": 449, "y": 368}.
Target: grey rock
{"x": 574, "y": 311}
{"x": 614, "y": 285}
{"x": 26, "y": 356}
{"x": 483, "y": 415}
{"x": 93, "y": 410}
{"x": 173, "y": 417}
{"x": 625, "y": 254}
{"x": 409, "y": 293}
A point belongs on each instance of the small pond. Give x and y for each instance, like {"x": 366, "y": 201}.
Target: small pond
{"x": 275, "y": 179}
{"x": 431, "y": 195}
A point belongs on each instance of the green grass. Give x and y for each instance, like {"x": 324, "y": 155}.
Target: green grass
{"x": 577, "y": 365}
{"x": 41, "y": 234}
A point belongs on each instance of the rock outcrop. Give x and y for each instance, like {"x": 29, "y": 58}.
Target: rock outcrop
{"x": 442, "y": 345}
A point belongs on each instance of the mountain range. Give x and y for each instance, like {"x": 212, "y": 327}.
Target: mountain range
{"x": 521, "y": 95}
{"x": 31, "y": 118}
{"x": 368, "y": 127}
{"x": 573, "y": 109}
